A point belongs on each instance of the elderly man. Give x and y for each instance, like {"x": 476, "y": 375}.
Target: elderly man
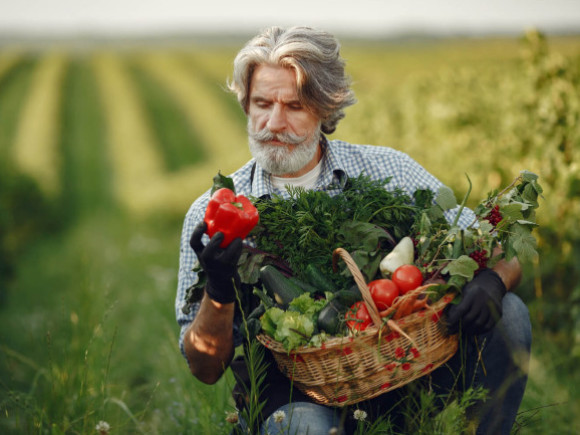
{"x": 292, "y": 86}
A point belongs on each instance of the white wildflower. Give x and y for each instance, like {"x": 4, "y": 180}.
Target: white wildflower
{"x": 360, "y": 415}
{"x": 231, "y": 417}
{"x": 103, "y": 427}
{"x": 279, "y": 416}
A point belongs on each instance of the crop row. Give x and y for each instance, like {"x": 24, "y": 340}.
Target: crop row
{"x": 154, "y": 123}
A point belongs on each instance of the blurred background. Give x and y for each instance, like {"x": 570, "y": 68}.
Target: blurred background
{"x": 114, "y": 118}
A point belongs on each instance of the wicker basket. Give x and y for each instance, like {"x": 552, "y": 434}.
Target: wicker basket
{"x": 347, "y": 370}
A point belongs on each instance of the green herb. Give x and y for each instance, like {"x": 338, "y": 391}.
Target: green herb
{"x": 364, "y": 219}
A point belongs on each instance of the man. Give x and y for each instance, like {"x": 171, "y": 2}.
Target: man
{"x": 292, "y": 86}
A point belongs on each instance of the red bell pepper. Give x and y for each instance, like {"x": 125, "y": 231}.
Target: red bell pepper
{"x": 232, "y": 215}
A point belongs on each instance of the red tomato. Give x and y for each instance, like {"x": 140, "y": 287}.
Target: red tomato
{"x": 358, "y": 317}
{"x": 383, "y": 292}
{"x": 407, "y": 277}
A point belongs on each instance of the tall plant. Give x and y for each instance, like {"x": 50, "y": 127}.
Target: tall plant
{"x": 550, "y": 139}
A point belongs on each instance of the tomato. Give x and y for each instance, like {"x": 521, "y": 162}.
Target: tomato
{"x": 358, "y": 317}
{"x": 407, "y": 277}
{"x": 383, "y": 292}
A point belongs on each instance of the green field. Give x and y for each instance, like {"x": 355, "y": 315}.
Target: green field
{"x": 102, "y": 150}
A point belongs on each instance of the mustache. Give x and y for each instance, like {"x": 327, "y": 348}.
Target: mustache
{"x": 266, "y": 135}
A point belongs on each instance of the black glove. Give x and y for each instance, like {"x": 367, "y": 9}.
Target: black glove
{"x": 481, "y": 305}
{"x": 220, "y": 265}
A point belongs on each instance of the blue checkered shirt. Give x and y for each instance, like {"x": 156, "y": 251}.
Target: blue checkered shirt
{"x": 340, "y": 161}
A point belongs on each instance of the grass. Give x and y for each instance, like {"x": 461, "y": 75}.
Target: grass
{"x": 82, "y": 347}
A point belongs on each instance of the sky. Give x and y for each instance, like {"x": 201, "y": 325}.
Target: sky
{"x": 364, "y": 17}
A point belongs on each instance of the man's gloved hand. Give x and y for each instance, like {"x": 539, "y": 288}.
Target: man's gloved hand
{"x": 220, "y": 265}
{"x": 481, "y": 305}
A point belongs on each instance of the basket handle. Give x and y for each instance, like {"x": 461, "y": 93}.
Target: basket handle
{"x": 360, "y": 282}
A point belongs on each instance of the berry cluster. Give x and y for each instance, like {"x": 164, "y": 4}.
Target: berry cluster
{"x": 494, "y": 217}
{"x": 480, "y": 258}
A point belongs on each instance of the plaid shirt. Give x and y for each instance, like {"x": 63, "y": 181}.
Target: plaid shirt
{"x": 340, "y": 161}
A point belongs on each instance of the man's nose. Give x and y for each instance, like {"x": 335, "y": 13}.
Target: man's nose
{"x": 277, "y": 119}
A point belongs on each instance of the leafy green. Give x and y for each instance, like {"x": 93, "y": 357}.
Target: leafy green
{"x": 290, "y": 328}
{"x": 305, "y": 304}
{"x": 295, "y": 326}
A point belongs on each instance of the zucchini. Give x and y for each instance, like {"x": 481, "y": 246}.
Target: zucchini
{"x": 319, "y": 280}
{"x": 278, "y": 286}
{"x": 253, "y": 328}
{"x": 257, "y": 312}
{"x": 307, "y": 287}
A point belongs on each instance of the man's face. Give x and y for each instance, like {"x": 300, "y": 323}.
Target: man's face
{"x": 283, "y": 134}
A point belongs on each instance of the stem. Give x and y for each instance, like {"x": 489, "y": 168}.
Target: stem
{"x": 462, "y": 206}
{"x": 506, "y": 189}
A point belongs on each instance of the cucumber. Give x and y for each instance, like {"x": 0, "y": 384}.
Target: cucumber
{"x": 330, "y": 318}
{"x": 347, "y": 297}
{"x": 278, "y": 286}
{"x": 313, "y": 275}
{"x": 266, "y": 300}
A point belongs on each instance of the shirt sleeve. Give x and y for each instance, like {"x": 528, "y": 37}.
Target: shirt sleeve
{"x": 187, "y": 261}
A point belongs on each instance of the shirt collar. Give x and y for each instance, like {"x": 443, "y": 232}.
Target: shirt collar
{"x": 333, "y": 169}
{"x": 333, "y": 173}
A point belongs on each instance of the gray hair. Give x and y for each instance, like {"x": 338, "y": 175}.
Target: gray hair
{"x": 314, "y": 55}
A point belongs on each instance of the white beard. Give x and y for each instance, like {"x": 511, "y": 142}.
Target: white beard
{"x": 282, "y": 159}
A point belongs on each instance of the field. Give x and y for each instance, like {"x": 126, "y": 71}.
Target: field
{"x": 103, "y": 149}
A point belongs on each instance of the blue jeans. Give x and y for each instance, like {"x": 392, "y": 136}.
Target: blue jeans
{"x": 505, "y": 354}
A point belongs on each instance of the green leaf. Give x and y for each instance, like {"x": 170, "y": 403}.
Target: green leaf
{"x": 523, "y": 243}
{"x": 458, "y": 282}
{"x": 423, "y": 198}
{"x": 363, "y": 234}
{"x": 512, "y": 211}
{"x": 435, "y": 213}
{"x": 305, "y": 304}
{"x": 425, "y": 224}
{"x": 270, "y": 320}
{"x": 249, "y": 266}
{"x": 530, "y": 193}
{"x": 367, "y": 262}
{"x": 528, "y": 176}
{"x": 463, "y": 266}
{"x": 220, "y": 181}
{"x": 446, "y": 198}
{"x": 485, "y": 226}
